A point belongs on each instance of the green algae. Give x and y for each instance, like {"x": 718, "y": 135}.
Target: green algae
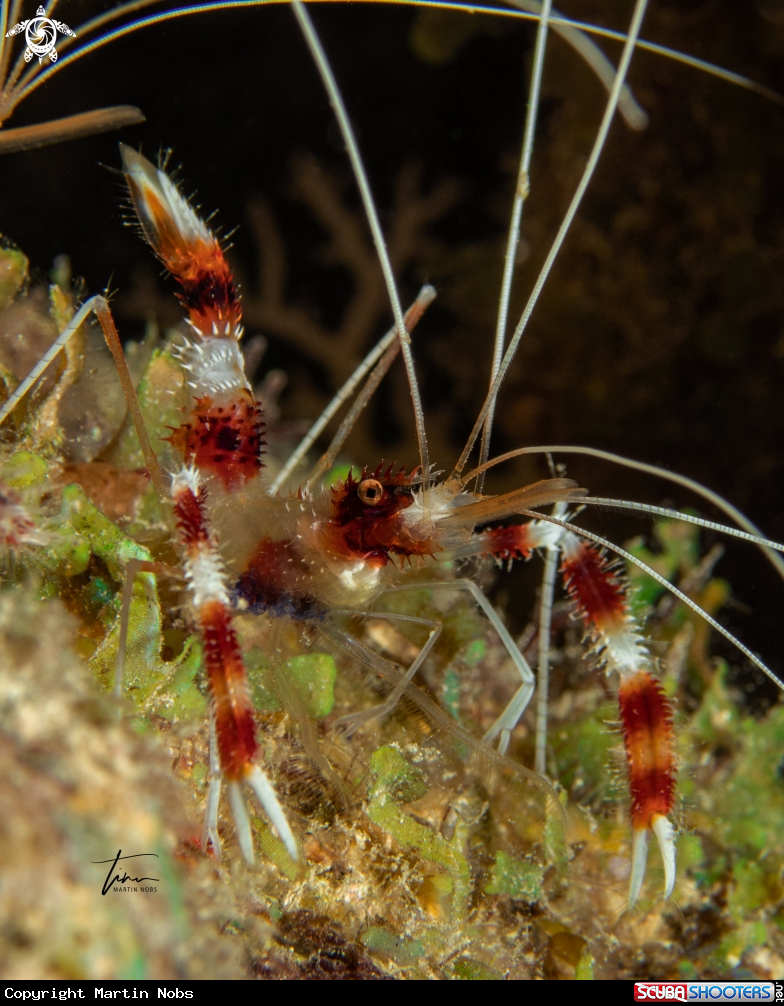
{"x": 392, "y": 779}
{"x": 23, "y": 470}
{"x": 380, "y": 941}
{"x": 468, "y": 970}
{"x": 311, "y": 676}
{"x": 13, "y": 272}
{"x": 517, "y": 878}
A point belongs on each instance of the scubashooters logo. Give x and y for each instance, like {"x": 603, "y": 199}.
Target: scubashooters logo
{"x": 126, "y": 884}
{"x": 40, "y": 35}
{"x": 708, "y": 991}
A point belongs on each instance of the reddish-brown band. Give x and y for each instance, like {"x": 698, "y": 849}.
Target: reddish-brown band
{"x": 646, "y": 716}
{"x": 600, "y": 595}
{"x": 223, "y": 440}
{"x": 513, "y": 542}
{"x": 190, "y": 512}
{"x": 228, "y": 682}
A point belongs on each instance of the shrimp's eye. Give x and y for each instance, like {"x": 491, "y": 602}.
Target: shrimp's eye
{"x": 370, "y": 491}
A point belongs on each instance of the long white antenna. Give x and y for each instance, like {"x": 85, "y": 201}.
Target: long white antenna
{"x": 521, "y": 194}
{"x": 635, "y": 116}
{"x": 642, "y": 466}
{"x": 352, "y": 149}
{"x": 601, "y": 137}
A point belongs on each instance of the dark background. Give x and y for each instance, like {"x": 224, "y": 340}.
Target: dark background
{"x": 660, "y": 333}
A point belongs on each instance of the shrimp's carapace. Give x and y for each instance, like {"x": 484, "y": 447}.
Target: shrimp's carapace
{"x": 366, "y": 523}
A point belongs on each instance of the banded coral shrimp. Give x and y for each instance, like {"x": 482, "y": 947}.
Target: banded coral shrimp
{"x": 583, "y": 480}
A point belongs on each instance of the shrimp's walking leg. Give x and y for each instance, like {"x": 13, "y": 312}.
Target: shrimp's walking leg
{"x": 508, "y": 719}
{"x": 543, "y": 666}
{"x": 210, "y": 828}
{"x": 349, "y": 724}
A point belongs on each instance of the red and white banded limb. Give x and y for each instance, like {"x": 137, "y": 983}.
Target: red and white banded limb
{"x": 232, "y": 710}
{"x": 599, "y": 590}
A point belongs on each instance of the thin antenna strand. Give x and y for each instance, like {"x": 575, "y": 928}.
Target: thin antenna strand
{"x": 601, "y": 137}
{"x": 352, "y": 149}
{"x": 424, "y": 299}
{"x": 572, "y": 31}
{"x": 521, "y": 194}
{"x": 327, "y": 460}
{"x": 687, "y": 518}
{"x": 100, "y": 120}
{"x": 682, "y": 480}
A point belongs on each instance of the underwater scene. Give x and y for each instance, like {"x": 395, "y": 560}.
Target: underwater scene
{"x": 391, "y": 492}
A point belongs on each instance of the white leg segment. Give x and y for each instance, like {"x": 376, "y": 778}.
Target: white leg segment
{"x": 639, "y": 859}
{"x": 509, "y": 718}
{"x": 665, "y": 835}
{"x": 350, "y": 723}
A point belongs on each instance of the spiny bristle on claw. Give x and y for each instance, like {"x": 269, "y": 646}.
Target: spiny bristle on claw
{"x": 187, "y": 248}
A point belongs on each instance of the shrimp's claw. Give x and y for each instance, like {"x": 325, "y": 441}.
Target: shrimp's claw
{"x": 239, "y": 811}
{"x": 186, "y": 247}
{"x": 665, "y": 835}
{"x": 268, "y": 799}
{"x": 646, "y": 716}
